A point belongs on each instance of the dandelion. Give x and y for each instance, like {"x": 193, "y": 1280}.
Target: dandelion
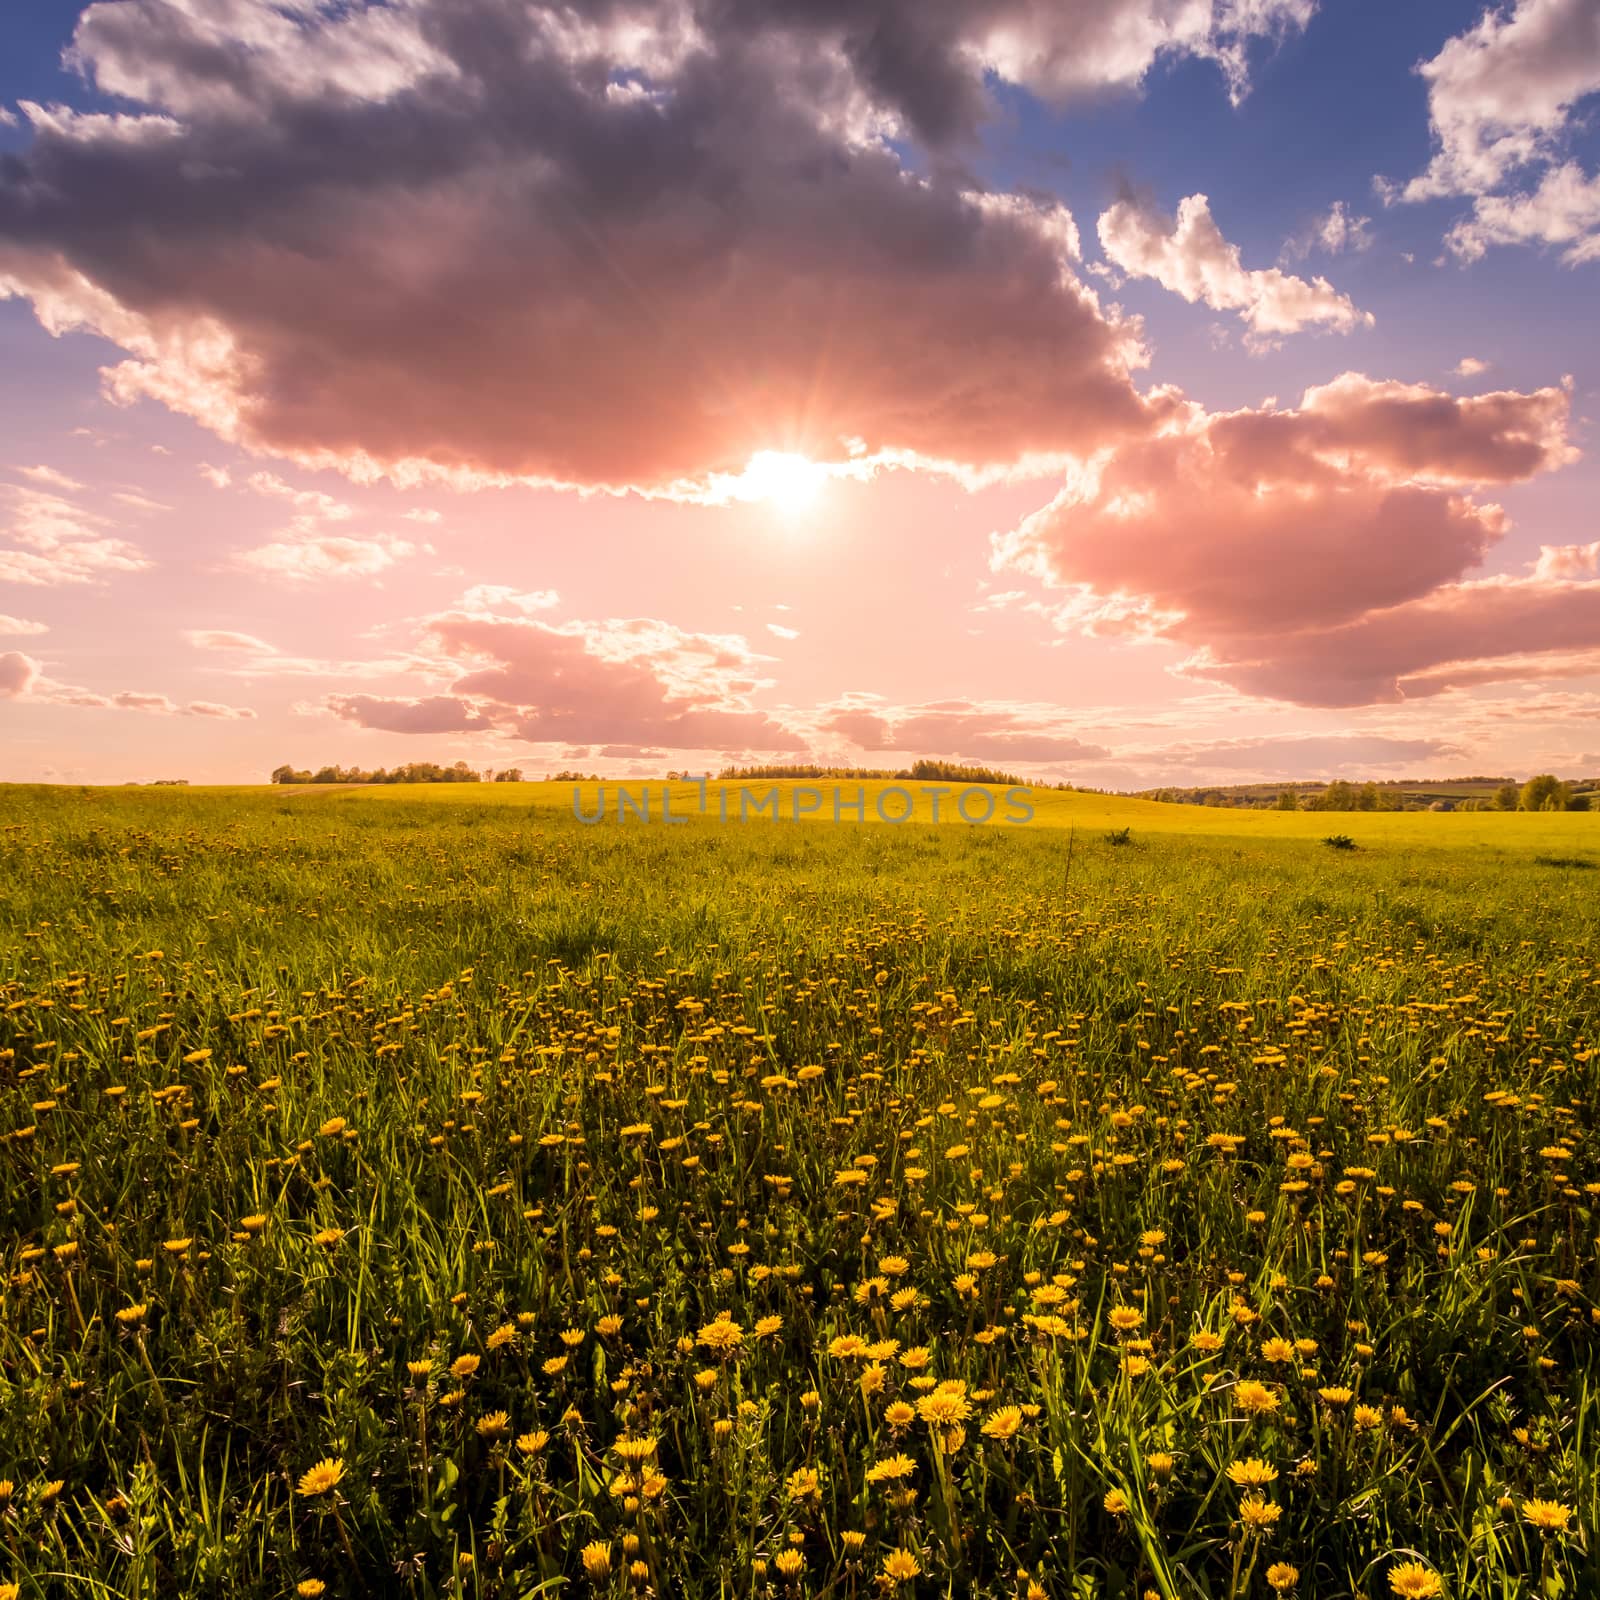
{"x": 1410, "y": 1580}
{"x": 1281, "y": 1577}
{"x": 1254, "y": 1398}
{"x": 597, "y": 1560}
{"x": 1258, "y": 1514}
{"x": 1002, "y": 1423}
{"x": 1548, "y": 1516}
{"x": 900, "y": 1566}
{"x": 1251, "y": 1473}
{"x": 723, "y": 1336}
{"x": 323, "y": 1478}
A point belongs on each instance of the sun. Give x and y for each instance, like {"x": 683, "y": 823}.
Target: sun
{"x": 788, "y": 482}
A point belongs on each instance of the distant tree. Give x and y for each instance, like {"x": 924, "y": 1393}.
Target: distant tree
{"x": 1578, "y": 802}
{"x": 1288, "y": 800}
{"x": 509, "y": 775}
{"x": 1507, "y": 797}
{"x": 1545, "y": 792}
{"x": 1367, "y": 797}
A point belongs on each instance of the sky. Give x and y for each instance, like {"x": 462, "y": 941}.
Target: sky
{"x": 1118, "y": 392}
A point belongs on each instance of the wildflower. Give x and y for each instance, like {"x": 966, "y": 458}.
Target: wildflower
{"x": 724, "y": 1335}
{"x": 1003, "y": 1423}
{"x": 1410, "y": 1580}
{"x": 900, "y": 1566}
{"x": 464, "y": 1366}
{"x": 1258, "y": 1514}
{"x": 945, "y": 1406}
{"x": 1256, "y": 1398}
{"x": 323, "y": 1478}
{"x": 1281, "y": 1577}
{"x": 891, "y": 1469}
{"x": 310, "y": 1588}
{"x": 1548, "y": 1516}
{"x": 1251, "y": 1473}
{"x": 1116, "y": 1502}
{"x": 597, "y": 1560}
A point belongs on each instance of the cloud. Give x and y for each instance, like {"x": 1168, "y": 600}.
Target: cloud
{"x": 1461, "y": 635}
{"x": 19, "y": 627}
{"x": 777, "y": 630}
{"x": 1335, "y": 232}
{"x": 56, "y": 542}
{"x": 1563, "y": 210}
{"x": 317, "y": 235}
{"x": 22, "y": 678}
{"x": 314, "y": 560}
{"x": 963, "y": 729}
{"x": 1302, "y": 753}
{"x": 217, "y": 477}
{"x": 1568, "y": 561}
{"x": 1188, "y": 255}
{"x": 18, "y": 673}
{"x": 1469, "y": 367}
{"x": 224, "y": 639}
{"x": 500, "y": 597}
{"x": 1502, "y": 101}
{"x": 50, "y": 478}
{"x": 436, "y": 714}
{"x": 635, "y": 682}
{"x": 1501, "y": 94}
{"x": 1280, "y": 545}
{"x": 211, "y": 708}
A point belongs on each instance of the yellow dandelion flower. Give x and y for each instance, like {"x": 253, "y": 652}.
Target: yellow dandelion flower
{"x": 1410, "y": 1580}
{"x": 323, "y": 1478}
{"x": 1548, "y": 1516}
{"x": 900, "y": 1566}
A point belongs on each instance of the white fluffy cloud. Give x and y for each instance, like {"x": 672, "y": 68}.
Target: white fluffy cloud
{"x": 1189, "y": 255}
{"x": 1503, "y": 100}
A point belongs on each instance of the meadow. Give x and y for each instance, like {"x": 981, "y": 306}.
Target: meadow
{"x": 424, "y": 1193}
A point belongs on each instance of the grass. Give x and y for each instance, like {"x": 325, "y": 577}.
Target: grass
{"x": 769, "y": 1209}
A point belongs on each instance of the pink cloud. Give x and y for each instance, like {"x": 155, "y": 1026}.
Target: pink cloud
{"x": 638, "y": 683}
{"x": 22, "y": 678}
{"x": 436, "y": 714}
{"x": 1466, "y": 634}
{"x": 756, "y": 266}
{"x": 1248, "y": 533}
{"x": 56, "y": 542}
{"x": 961, "y": 729}
{"x": 20, "y": 627}
{"x": 315, "y": 560}
{"x": 18, "y": 674}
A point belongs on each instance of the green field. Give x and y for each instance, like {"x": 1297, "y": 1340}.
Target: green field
{"x": 415, "y": 1191}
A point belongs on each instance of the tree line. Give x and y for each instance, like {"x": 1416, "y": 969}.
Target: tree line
{"x": 917, "y": 772}
{"x": 411, "y": 772}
